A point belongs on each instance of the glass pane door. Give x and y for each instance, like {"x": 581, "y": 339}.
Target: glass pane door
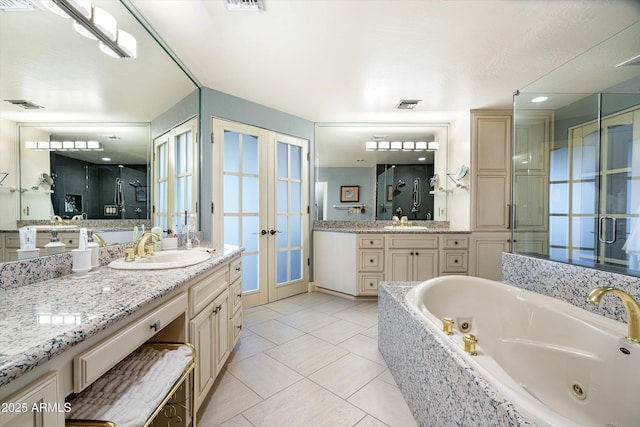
{"x": 290, "y": 213}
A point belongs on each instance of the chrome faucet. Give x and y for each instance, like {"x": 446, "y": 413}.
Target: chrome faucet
{"x": 140, "y": 245}
{"x": 630, "y": 304}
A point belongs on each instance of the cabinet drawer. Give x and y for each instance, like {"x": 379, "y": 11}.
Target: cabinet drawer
{"x": 71, "y": 240}
{"x": 371, "y": 241}
{"x": 371, "y": 261}
{"x": 236, "y": 328}
{"x": 90, "y": 365}
{"x": 455, "y": 242}
{"x": 235, "y": 269}
{"x": 207, "y": 289}
{"x": 236, "y": 295}
{"x": 368, "y": 283}
{"x": 412, "y": 242}
{"x": 454, "y": 262}
{"x": 13, "y": 240}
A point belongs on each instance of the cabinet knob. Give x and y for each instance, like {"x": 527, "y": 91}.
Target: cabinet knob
{"x": 238, "y": 269}
{"x": 455, "y": 242}
{"x": 155, "y": 326}
{"x": 455, "y": 261}
{"x": 417, "y": 253}
{"x": 371, "y": 260}
{"x": 371, "y": 284}
{"x": 411, "y": 253}
{"x": 371, "y": 242}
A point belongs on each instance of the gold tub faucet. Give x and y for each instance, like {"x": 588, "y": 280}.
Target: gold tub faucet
{"x": 630, "y": 304}
{"x": 140, "y": 245}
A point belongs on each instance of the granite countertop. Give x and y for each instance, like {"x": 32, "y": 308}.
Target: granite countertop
{"x": 403, "y": 230}
{"x": 41, "y": 320}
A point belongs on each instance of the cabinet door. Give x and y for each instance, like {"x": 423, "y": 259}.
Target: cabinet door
{"x": 425, "y": 265}
{"x": 221, "y": 330}
{"x": 20, "y": 413}
{"x": 202, "y": 338}
{"x": 487, "y": 254}
{"x": 400, "y": 265}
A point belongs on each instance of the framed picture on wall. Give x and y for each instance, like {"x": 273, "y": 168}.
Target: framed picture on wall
{"x": 349, "y": 193}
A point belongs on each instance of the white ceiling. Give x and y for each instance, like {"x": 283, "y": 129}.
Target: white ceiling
{"x": 346, "y": 61}
{"x": 353, "y": 60}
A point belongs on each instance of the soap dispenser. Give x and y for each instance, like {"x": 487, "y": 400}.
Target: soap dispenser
{"x": 55, "y": 246}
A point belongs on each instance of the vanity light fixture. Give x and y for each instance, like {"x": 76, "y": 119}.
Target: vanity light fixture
{"x": 383, "y": 145}
{"x": 63, "y": 145}
{"x": 96, "y": 23}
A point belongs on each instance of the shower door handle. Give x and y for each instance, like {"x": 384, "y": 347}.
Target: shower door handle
{"x": 601, "y": 232}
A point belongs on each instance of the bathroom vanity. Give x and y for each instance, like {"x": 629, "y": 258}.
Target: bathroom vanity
{"x": 61, "y": 335}
{"x": 351, "y": 260}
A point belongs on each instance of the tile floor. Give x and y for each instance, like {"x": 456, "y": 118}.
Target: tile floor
{"x": 309, "y": 360}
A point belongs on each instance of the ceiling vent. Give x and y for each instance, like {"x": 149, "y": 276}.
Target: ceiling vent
{"x": 408, "y": 104}
{"x": 631, "y": 61}
{"x": 244, "y": 5}
{"x": 16, "y": 6}
{"x": 22, "y": 103}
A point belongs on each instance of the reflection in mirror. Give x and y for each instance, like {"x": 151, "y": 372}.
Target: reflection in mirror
{"x": 389, "y": 181}
{"x": 108, "y": 181}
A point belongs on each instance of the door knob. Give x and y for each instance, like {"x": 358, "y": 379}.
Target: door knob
{"x": 263, "y": 232}
{"x": 272, "y": 231}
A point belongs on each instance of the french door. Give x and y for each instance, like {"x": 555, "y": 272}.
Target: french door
{"x": 261, "y": 203}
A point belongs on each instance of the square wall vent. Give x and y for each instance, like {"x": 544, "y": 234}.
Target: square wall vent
{"x": 245, "y": 5}
{"x": 407, "y": 104}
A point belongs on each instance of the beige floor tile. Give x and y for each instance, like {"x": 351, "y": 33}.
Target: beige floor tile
{"x": 347, "y": 375}
{"x": 263, "y": 375}
{"x": 250, "y": 344}
{"x": 364, "y": 318}
{"x": 284, "y": 306}
{"x": 307, "y": 320}
{"x": 304, "y": 404}
{"x": 387, "y": 378}
{"x": 312, "y": 298}
{"x": 238, "y": 421}
{"x": 230, "y": 397}
{"x": 338, "y": 331}
{"x": 258, "y": 316}
{"x": 384, "y": 402}
{"x": 275, "y": 331}
{"x": 335, "y": 305}
{"x": 364, "y": 346}
{"x": 369, "y": 421}
{"x": 372, "y": 332}
{"x": 306, "y": 354}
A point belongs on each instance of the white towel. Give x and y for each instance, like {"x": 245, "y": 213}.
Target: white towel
{"x": 129, "y": 393}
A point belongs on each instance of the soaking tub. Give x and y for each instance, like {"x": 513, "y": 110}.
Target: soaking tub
{"x": 559, "y": 365}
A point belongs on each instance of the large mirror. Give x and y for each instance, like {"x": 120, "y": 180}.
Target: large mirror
{"x": 85, "y": 95}
{"x": 404, "y": 179}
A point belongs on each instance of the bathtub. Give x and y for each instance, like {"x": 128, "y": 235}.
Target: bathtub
{"x": 558, "y": 364}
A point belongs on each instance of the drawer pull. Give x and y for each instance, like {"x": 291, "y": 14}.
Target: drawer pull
{"x": 371, "y": 284}
{"x": 455, "y": 243}
{"x": 371, "y": 242}
{"x": 455, "y": 261}
{"x": 371, "y": 260}
{"x": 155, "y": 326}
{"x": 217, "y": 309}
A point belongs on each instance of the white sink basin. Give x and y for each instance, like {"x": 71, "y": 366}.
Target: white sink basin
{"x": 405, "y": 227}
{"x": 162, "y": 260}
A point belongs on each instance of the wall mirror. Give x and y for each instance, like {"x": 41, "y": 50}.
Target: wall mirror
{"x": 399, "y": 180}
{"x": 84, "y": 95}
{"x": 577, "y": 160}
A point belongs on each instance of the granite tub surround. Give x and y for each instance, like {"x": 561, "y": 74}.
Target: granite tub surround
{"x": 379, "y": 227}
{"x": 570, "y": 283}
{"x": 438, "y": 385}
{"x": 43, "y": 319}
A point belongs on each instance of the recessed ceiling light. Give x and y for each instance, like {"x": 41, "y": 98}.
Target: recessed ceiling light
{"x": 539, "y": 99}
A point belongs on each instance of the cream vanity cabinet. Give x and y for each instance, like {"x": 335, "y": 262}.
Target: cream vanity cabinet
{"x": 411, "y": 257}
{"x": 18, "y": 410}
{"x": 454, "y": 254}
{"x": 490, "y": 191}
{"x": 209, "y": 327}
{"x": 12, "y": 242}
